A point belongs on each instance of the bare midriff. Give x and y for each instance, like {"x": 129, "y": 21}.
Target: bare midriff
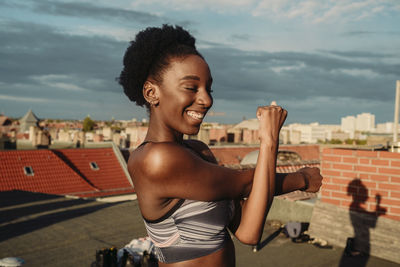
{"x": 224, "y": 257}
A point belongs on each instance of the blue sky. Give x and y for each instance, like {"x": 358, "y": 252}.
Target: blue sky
{"x": 321, "y": 60}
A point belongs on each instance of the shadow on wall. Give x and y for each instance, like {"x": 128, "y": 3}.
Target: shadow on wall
{"x": 358, "y": 247}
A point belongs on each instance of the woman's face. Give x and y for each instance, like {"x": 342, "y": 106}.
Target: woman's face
{"x": 185, "y": 94}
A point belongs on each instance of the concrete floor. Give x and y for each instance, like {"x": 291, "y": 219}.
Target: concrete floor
{"x": 280, "y": 251}
{"x": 55, "y": 231}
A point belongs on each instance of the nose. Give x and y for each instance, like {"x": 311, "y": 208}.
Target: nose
{"x": 204, "y": 98}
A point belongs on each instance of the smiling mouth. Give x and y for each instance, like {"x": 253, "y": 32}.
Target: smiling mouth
{"x": 195, "y": 115}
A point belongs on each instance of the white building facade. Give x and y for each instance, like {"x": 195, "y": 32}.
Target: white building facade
{"x": 365, "y": 122}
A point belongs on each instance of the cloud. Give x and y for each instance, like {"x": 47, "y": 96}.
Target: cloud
{"x": 88, "y": 10}
{"x": 23, "y": 99}
{"x": 220, "y": 6}
{"x": 240, "y": 37}
{"x": 369, "y": 33}
{"x": 62, "y": 82}
{"x": 100, "y": 12}
{"x": 315, "y": 11}
{"x": 32, "y": 50}
{"x": 72, "y": 70}
{"x": 259, "y": 77}
{"x": 61, "y": 75}
{"x": 358, "y": 54}
{"x": 117, "y": 33}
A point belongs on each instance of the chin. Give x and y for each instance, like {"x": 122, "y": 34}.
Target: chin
{"x": 192, "y": 131}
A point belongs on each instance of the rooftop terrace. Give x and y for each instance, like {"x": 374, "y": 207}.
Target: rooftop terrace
{"x": 49, "y": 230}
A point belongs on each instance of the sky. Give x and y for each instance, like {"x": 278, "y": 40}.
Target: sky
{"x": 319, "y": 59}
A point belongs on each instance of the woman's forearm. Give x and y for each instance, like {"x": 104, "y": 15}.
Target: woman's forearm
{"x": 288, "y": 182}
{"x": 256, "y": 206}
{"x": 284, "y": 182}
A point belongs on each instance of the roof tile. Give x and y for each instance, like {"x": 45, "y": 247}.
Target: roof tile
{"x": 64, "y": 171}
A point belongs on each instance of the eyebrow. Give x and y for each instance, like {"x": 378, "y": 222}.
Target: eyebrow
{"x": 191, "y": 77}
{"x": 194, "y": 77}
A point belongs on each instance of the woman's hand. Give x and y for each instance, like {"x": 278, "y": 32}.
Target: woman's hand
{"x": 271, "y": 121}
{"x": 312, "y": 179}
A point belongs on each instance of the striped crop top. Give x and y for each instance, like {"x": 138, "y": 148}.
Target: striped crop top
{"x": 191, "y": 229}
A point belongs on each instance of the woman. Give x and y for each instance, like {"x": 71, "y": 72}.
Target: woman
{"x": 186, "y": 199}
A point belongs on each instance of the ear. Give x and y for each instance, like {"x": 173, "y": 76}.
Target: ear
{"x": 151, "y": 93}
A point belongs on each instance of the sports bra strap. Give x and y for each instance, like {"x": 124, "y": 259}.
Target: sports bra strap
{"x": 168, "y": 213}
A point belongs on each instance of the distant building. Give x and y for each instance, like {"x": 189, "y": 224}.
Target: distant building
{"x": 5, "y": 121}
{"x": 134, "y": 135}
{"x": 245, "y": 132}
{"x": 386, "y": 127}
{"x": 309, "y": 133}
{"x": 342, "y": 136}
{"x": 28, "y": 120}
{"x": 289, "y": 135}
{"x": 365, "y": 122}
{"x": 218, "y": 133}
{"x": 348, "y": 125}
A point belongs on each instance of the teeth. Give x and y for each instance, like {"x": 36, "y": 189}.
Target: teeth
{"x": 195, "y": 115}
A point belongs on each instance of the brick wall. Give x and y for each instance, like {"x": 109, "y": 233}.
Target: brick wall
{"x": 354, "y": 178}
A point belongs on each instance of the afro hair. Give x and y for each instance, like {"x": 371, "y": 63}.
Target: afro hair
{"x": 149, "y": 55}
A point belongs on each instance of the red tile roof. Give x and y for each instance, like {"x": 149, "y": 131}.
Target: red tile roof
{"x": 306, "y": 152}
{"x": 295, "y": 167}
{"x": 64, "y": 171}
{"x": 51, "y": 174}
{"x": 109, "y": 175}
{"x": 287, "y": 168}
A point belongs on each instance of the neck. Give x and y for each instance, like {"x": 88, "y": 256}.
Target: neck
{"x": 158, "y": 132}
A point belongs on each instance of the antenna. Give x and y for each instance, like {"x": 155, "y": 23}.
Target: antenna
{"x": 395, "y": 144}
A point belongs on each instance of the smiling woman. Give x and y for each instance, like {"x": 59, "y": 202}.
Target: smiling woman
{"x": 189, "y": 202}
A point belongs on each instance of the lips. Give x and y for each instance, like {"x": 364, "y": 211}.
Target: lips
{"x": 195, "y": 115}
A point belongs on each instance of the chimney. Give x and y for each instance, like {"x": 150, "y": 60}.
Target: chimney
{"x": 395, "y": 145}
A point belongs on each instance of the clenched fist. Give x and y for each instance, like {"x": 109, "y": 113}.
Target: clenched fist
{"x": 312, "y": 179}
{"x": 271, "y": 121}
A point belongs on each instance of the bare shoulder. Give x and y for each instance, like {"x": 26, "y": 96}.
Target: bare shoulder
{"x": 162, "y": 171}
{"x": 157, "y": 160}
{"x": 202, "y": 149}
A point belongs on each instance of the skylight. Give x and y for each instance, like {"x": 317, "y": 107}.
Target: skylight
{"x": 94, "y": 166}
{"x": 28, "y": 171}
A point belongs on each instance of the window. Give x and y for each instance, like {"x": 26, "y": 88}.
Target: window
{"x": 28, "y": 171}
{"x": 94, "y": 166}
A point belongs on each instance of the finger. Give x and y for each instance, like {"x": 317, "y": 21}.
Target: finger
{"x": 258, "y": 113}
{"x": 273, "y": 103}
{"x": 284, "y": 116}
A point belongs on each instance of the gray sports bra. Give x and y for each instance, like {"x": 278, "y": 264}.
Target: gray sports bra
{"x": 191, "y": 229}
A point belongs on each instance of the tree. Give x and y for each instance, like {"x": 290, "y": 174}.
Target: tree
{"x": 88, "y": 124}
{"x": 349, "y": 141}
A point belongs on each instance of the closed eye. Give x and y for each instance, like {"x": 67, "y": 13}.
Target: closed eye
{"x": 194, "y": 89}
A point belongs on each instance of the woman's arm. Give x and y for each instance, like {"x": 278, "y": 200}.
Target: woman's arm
{"x": 306, "y": 179}
{"x": 169, "y": 170}
{"x": 255, "y": 208}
